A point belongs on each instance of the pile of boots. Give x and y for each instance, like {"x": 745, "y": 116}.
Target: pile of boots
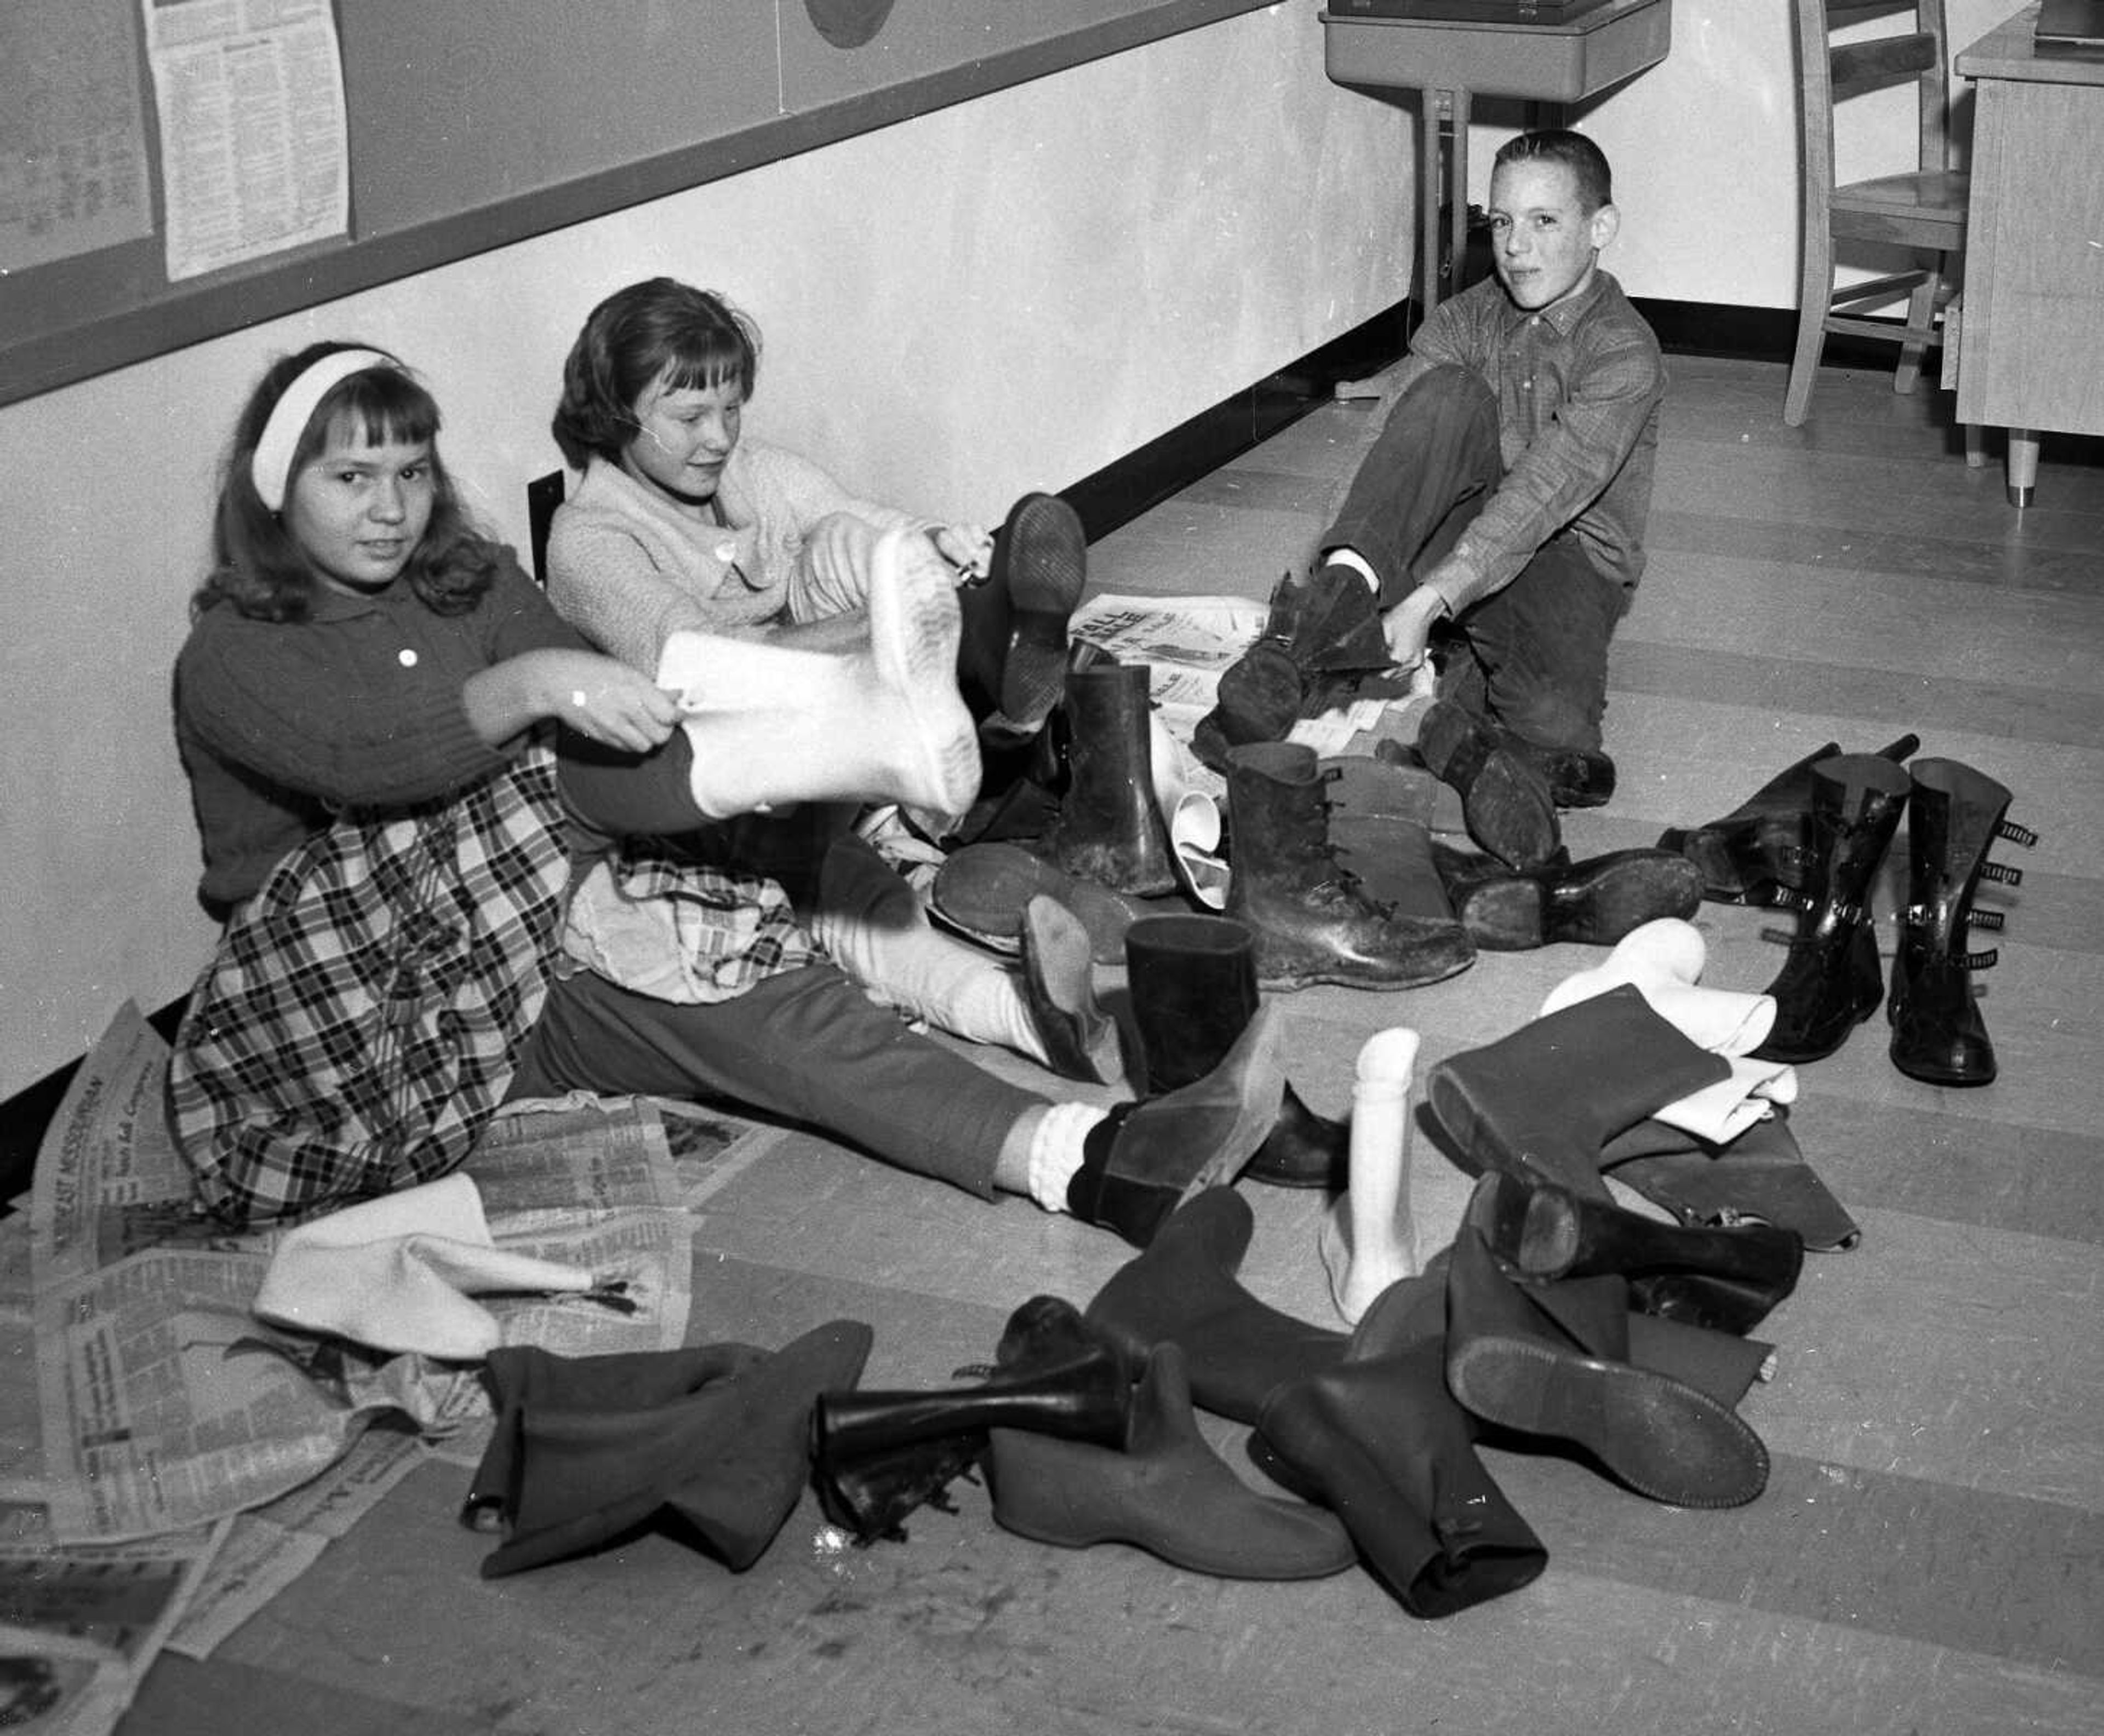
{"x": 1816, "y": 839}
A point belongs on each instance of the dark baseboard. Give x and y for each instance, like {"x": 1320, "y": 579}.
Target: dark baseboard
{"x": 1122, "y": 491}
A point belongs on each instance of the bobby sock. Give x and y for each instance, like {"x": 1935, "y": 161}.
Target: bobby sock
{"x": 1056, "y": 1149}
{"x": 1357, "y": 563}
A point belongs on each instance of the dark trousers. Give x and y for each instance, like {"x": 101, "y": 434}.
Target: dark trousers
{"x": 805, "y": 1045}
{"x": 1532, "y": 656}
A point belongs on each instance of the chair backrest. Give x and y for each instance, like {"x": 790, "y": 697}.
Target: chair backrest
{"x": 544, "y": 494}
{"x": 1830, "y": 72}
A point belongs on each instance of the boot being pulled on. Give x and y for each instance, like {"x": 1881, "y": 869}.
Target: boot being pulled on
{"x": 1313, "y": 921}
{"x": 1954, "y": 813}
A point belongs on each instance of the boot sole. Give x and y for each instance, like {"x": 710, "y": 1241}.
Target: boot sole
{"x": 982, "y": 895}
{"x": 1510, "y": 812}
{"x": 914, "y": 628}
{"x": 1664, "y": 1439}
{"x": 1080, "y": 1041}
{"x": 1047, "y": 572}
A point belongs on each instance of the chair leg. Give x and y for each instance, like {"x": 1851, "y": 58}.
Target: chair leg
{"x": 1976, "y": 446}
{"x": 1921, "y": 317}
{"x": 1814, "y": 295}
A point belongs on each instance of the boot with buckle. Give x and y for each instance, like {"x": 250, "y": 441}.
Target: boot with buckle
{"x": 1833, "y": 980}
{"x": 1760, "y": 846}
{"x": 1955, "y": 814}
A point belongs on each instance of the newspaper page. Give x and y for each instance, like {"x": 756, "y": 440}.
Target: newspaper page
{"x": 166, "y": 1404}
{"x": 79, "y": 1625}
{"x": 73, "y": 133}
{"x": 266, "y": 1550}
{"x": 254, "y": 151}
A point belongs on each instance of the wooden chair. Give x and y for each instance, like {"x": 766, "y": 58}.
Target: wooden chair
{"x": 1923, "y": 210}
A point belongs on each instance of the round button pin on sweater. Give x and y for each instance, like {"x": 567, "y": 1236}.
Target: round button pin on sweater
{"x": 406, "y": 657}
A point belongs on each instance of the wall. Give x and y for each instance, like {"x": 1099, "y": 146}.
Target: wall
{"x": 1010, "y": 293}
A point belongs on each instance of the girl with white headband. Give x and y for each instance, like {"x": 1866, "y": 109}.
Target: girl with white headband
{"x": 401, "y": 759}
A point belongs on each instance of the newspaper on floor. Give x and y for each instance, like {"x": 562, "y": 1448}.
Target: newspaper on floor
{"x": 80, "y": 1624}
{"x": 1187, "y": 643}
{"x": 166, "y": 1405}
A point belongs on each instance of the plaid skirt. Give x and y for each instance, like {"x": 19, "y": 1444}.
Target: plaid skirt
{"x": 362, "y": 1017}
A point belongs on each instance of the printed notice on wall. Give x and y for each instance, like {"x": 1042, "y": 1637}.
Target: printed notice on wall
{"x": 254, "y": 151}
{"x": 73, "y": 132}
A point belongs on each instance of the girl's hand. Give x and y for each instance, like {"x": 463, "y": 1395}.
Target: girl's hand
{"x": 967, "y": 547}
{"x": 607, "y": 700}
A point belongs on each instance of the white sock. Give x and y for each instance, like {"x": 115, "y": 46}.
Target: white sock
{"x": 1055, "y": 1150}
{"x": 1356, "y": 562}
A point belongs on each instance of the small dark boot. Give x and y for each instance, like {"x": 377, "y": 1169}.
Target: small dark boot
{"x": 1184, "y": 1291}
{"x": 1591, "y": 903}
{"x": 1191, "y": 986}
{"x": 871, "y": 1494}
{"x": 1378, "y": 1438}
{"x": 1833, "y": 980}
{"x": 1313, "y": 923}
{"x": 1954, "y": 815}
{"x": 1144, "y": 1159}
{"x": 1110, "y": 828}
{"x": 1505, "y": 797}
{"x": 1542, "y": 1101}
{"x": 1728, "y": 1280}
{"x": 1163, "y": 1490}
{"x": 1083, "y": 1398}
{"x": 1012, "y": 651}
{"x": 1513, "y": 1359}
{"x": 1762, "y": 846}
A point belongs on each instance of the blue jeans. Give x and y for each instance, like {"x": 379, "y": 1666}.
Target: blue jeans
{"x": 1532, "y": 656}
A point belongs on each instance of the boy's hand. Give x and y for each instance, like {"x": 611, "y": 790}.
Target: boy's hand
{"x": 1409, "y": 624}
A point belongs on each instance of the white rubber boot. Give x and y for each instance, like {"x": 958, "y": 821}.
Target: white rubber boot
{"x": 771, "y": 725}
{"x": 1369, "y": 1240}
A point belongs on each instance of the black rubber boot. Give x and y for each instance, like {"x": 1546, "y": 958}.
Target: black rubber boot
{"x": 1146, "y": 1158}
{"x": 1593, "y": 903}
{"x": 1513, "y": 1359}
{"x": 1761, "y": 845}
{"x": 1012, "y": 651}
{"x": 1313, "y": 921}
{"x": 717, "y": 1437}
{"x": 1191, "y": 981}
{"x": 1954, "y": 814}
{"x": 1542, "y": 1101}
{"x": 1505, "y": 797}
{"x": 1833, "y": 980}
{"x": 1185, "y": 1290}
{"x": 1162, "y": 1490}
{"x": 1728, "y": 1280}
{"x": 1379, "y": 1438}
{"x": 1759, "y": 1177}
{"x": 1110, "y": 828}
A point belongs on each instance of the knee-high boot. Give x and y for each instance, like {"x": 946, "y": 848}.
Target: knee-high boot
{"x": 1954, "y": 813}
{"x": 1543, "y": 1101}
{"x": 1832, "y": 981}
{"x": 1110, "y": 828}
{"x": 771, "y": 724}
{"x": 1761, "y": 845}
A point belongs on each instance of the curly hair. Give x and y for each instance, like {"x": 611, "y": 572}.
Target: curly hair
{"x": 659, "y": 330}
{"x": 259, "y": 567}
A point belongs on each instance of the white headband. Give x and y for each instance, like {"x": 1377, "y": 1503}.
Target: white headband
{"x": 271, "y": 466}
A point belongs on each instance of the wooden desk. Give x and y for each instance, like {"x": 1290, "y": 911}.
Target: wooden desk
{"x": 2030, "y": 331}
{"x": 1444, "y": 60}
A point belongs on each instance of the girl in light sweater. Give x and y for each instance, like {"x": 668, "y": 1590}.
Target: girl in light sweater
{"x": 679, "y": 524}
